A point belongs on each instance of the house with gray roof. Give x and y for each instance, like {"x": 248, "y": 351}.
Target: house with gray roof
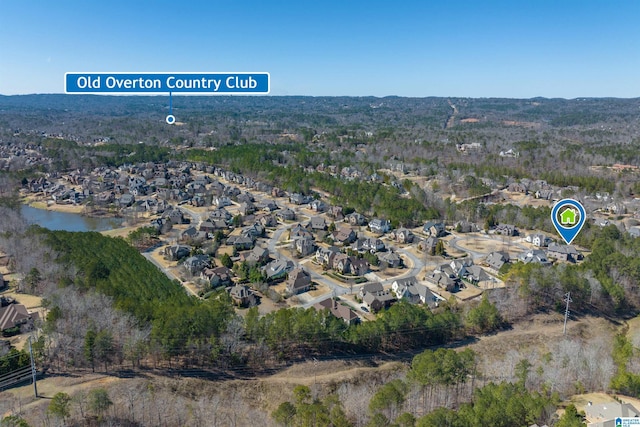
{"x": 242, "y": 295}
{"x": 240, "y": 242}
{"x": 445, "y": 277}
{"x": 564, "y": 253}
{"x": 317, "y": 223}
{"x": 495, "y": 260}
{"x": 605, "y": 414}
{"x": 390, "y": 259}
{"x": 355, "y": 219}
{"x": 195, "y": 264}
{"x": 373, "y": 287}
{"x": 434, "y": 228}
{"x": 506, "y": 230}
{"x": 286, "y": 215}
{"x": 218, "y": 276}
{"x": 534, "y": 255}
{"x": 304, "y": 246}
{"x": 298, "y": 281}
{"x": 539, "y": 240}
{"x": 379, "y": 226}
{"x": 378, "y": 300}
{"x": 278, "y": 269}
{"x": 414, "y": 292}
{"x": 176, "y": 252}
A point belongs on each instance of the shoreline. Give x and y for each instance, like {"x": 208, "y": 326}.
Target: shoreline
{"x": 67, "y": 208}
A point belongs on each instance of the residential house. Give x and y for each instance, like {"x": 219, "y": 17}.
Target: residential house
{"x": 444, "y": 277}
{"x": 299, "y": 199}
{"x": 379, "y": 226}
{"x": 428, "y": 245}
{"x": 318, "y": 206}
{"x": 534, "y": 255}
{"x": 245, "y": 197}
{"x": 475, "y": 275}
{"x": 337, "y": 310}
{"x": 126, "y": 200}
{"x": 191, "y": 234}
{"x": 372, "y": 245}
{"x": 402, "y": 235}
{"x": 341, "y": 263}
{"x": 286, "y": 215}
{"x": 218, "y": 276}
{"x": 240, "y": 242}
{"x": 335, "y": 212}
{"x": 538, "y": 239}
{"x": 221, "y": 201}
{"x": 298, "y": 281}
{"x": 195, "y": 264}
{"x": 242, "y": 296}
{"x": 207, "y": 227}
{"x": 564, "y": 253}
{"x": 358, "y": 266}
{"x": 304, "y": 246}
{"x": 278, "y": 269}
{"x": 14, "y": 315}
{"x": 495, "y": 260}
{"x": 434, "y": 229}
{"x": 343, "y": 236}
{"x": 414, "y": 292}
{"x": 518, "y": 187}
{"x": 634, "y": 231}
{"x": 466, "y": 227}
{"x": 269, "y": 221}
{"x": 247, "y": 208}
{"x": 299, "y": 232}
{"x": 355, "y": 219}
{"x": 318, "y": 223}
{"x": 373, "y": 287}
{"x": 506, "y": 230}
{"x": 375, "y": 297}
{"x": 325, "y": 256}
{"x": 174, "y": 215}
{"x": 176, "y": 252}
{"x": 605, "y": 414}
{"x": 544, "y": 194}
{"x": 221, "y": 214}
{"x": 390, "y": 259}
{"x": 253, "y": 231}
{"x": 258, "y": 256}
{"x": 270, "y": 206}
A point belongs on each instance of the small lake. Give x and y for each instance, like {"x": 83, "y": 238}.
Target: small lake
{"x": 67, "y": 221}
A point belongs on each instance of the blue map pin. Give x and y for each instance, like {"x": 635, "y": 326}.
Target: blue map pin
{"x": 568, "y": 217}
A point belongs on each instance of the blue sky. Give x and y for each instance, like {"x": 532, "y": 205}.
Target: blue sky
{"x": 516, "y": 49}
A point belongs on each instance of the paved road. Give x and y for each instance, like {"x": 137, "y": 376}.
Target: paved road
{"x": 336, "y": 288}
{"x": 168, "y": 273}
{"x": 454, "y": 243}
{"x": 196, "y": 218}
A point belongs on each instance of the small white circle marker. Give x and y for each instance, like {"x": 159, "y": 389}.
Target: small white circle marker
{"x": 170, "y": 119}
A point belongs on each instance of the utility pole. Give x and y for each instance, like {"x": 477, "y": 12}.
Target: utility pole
{"x": 567, "y": 299}
{"x": 315, "y": 365}
{"x": 33, "y": 369}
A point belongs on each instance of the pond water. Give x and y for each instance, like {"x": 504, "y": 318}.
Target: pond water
{"x": 68, "y": 221}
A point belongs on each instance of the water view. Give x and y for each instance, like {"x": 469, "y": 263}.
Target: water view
{"x": 68, "y": 221}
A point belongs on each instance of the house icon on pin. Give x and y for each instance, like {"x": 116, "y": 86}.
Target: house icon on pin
{"x": 569, "y": 217}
